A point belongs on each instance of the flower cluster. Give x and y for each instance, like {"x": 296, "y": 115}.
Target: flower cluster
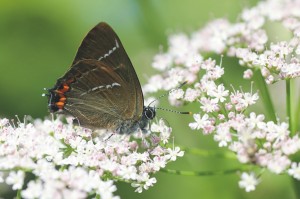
{"x": 247, "y": 40}
{"x": 223, "y": 109}
{"x": 68, "y": 161}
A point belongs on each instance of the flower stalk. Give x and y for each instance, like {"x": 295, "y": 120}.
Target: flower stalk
{"x": 297, "y": 114}
{"x": 265, "y": 95}
{"x": 209, "y": 153}
{"x": 204, "y": 173}
{"x": 288, "y": 86}
{"x": 296, "y": 186}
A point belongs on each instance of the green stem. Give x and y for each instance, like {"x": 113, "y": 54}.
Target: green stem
{"x": 289, "y": 104}
{"x": 18, "y": 194}
{"x": 16, "y": 169}
{"x": 203, "y": 173}
{"x": 296, "y": 185}
{"x": 297, "y": 115}
{"x": 295, "y": 182}
{"x": 265, "y": 94}
{"x": 206, "y": 153}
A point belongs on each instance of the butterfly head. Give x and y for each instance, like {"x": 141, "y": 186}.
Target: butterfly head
{"x": 149, "y": 112}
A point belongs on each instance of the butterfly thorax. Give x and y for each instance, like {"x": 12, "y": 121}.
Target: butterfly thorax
{"x": 128, "y": 127}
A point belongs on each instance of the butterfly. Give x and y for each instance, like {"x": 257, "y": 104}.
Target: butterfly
{"x": 101, "y": 89}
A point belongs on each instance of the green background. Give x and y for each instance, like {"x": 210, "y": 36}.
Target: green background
{"x": 38, "y": 41}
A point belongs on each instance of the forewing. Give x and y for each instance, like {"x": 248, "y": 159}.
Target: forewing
{"x": 103, "y": 44}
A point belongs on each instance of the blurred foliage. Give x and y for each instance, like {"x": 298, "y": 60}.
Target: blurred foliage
{"x": 39, "y": 39}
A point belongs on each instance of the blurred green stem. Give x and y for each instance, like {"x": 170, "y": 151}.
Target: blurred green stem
{"x": 18, "y": 194}
{"x": 297, "y": 115}
{"x": 293, "y": 124}
{"x": 205, "y": 173}
{"x": 16, "y": 169}
{"x": 296, "y": 186}
{"x": 289, "y": 105}
{"x": 296, "y": 182}
{"x": 265, "y": 94}
{"x": 206, "y": 153}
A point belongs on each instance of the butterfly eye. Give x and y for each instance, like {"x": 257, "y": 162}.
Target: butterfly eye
{"x": 149, "y": 113}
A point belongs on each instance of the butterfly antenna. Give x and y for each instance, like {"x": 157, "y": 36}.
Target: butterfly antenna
{"x": 173, "y": 111}
{"x": 167, "y": 93}
{"x": 106, "y": 139}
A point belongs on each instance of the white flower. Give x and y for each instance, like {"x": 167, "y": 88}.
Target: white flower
{"x": 179, "y": 47}
{"x": 282, "y": 131}
{"x": 248, "y": 74}
{"x": 277, "y": 132}
{"x": 291, "y": 145}
{"x": 159, "y": 162}
{"x": 248, "y": 181}
{"x": 164, "y": 130}
{"x": 191, "y": 94}
{"x": 250, "y": 99}
{"x": 138, "y": 186}
{"x": 223, "y": 135}
{"x": 34, "y": 190}
{"x": 155, "y": 83}
{"x": 144, "y": 182}
{"x": 208, "y": 105}
{"x": 193, "y": 61}
{"x": 278, "y": 163}
{"x": 149, "y": 183}
{"x": 176, "y": 94}
{"x": 200, "y": 122}
{"x": 106, "y": 188}
{"x": 3, "y": 122}
{"x": 162, "y": 61}
{"x": 1, "y": 177}
{"x": 73, "y": 194}
{"x": 127, "y": 172}
{"x": 219, "y": 93}
{"x": 206, "y": 85}
{"x": 177, "y": 75}
{"x": 173, "y": 154}
{"x": 16, "y": 179}
{"x": 255, "y": 121}
{"x": 295, "y": 170}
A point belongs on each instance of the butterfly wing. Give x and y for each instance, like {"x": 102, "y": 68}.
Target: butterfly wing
{"x": 101, "y": 89}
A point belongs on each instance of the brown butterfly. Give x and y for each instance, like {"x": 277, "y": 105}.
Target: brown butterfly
{"x": 101, "y": 89}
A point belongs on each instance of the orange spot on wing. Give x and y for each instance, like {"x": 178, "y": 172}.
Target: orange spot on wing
{"x": 62, "y": 99}
{"x": 60, "y": 105}
{"x": 65, "y": 87}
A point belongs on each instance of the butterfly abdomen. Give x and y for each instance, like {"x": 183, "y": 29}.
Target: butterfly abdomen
{"x": 57, "y": 97}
